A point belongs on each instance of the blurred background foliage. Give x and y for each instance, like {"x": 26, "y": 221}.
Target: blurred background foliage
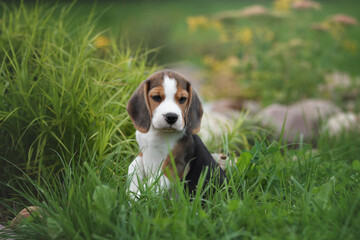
{"x": 269, "y": 51}
{"x": 67, "y": 71}
{"x": 62, "y": 86}
{"x": 280, "y": 50}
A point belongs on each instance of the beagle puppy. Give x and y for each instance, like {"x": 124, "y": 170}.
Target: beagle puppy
{"x": 166, "y": 113}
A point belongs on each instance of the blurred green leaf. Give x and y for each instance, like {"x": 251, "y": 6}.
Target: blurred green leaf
{"x": 355, "y": 165}
{"x": 234, "y": 205}
{"x": 244, "y": 161}
{"x": 323, "y": 194}
{"x": 54, "y": 228}
{"x": 104, "y": 199}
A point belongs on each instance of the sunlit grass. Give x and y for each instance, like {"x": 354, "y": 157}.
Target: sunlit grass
{"x": 271, "y": 192}
{"x": 58, "y": 88}
{"x": 66, "y": 143}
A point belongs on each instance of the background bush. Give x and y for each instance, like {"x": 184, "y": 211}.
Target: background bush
{"x": 66, "y": 140}
{"x": 62, "y": 84}
{"x": 278, "y": 57}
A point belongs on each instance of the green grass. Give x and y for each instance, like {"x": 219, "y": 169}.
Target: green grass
{"x": 67, "y": 141}
{"x": 124, "y": 17}
{"x": 58, "y": 89}
{"x": 273, "y": 193}
{"x": 297, "y": 57}
{"x": 288, "y": 68}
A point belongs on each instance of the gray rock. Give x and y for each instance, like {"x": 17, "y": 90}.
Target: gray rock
{"x": 7, "y": 231}
{"x": 227, "y": 104}
{"x": 252, "y": 107}
{"x": 214, "y": 124}
{"x": 302, "y": 119}
{"x": 342, "y": 122}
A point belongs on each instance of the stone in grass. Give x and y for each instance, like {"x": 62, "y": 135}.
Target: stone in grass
{"x": 302, "y": 119}
{"x": 228, "y": 105}
{"x": 7, "y": 232}
{"x": 342, "y": 86}
{"x": 214, "y": 124}
{"x": 27, "y": 212}
{"x": 340, "y": 19}
{"x": 255, "y": 10}
{"x": 342, "y": 122}
{"x": 220, "y": 116}
{"x": 251, "y": 11}
{"x": 343, "y": 19}
{"x": 336, "y": 80}
{"x": 306, "y": 4}
{"x": 248, "y": 12}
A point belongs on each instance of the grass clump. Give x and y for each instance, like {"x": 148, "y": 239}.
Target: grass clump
{"x": 271, "y": 192}
{"x": 61, "y": 84}
{"x": 63, "y": 120}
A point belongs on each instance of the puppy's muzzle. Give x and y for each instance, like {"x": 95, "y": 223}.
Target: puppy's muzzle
{"x": 171, "y": 118}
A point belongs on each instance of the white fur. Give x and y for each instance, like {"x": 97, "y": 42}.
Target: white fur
{"x": 136, "y": 173}
{"x": 168, "y": 105}
{"x": 156, "y": 144}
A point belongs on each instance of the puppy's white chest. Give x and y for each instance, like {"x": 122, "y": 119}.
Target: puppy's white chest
{"x": 155, "y": 147}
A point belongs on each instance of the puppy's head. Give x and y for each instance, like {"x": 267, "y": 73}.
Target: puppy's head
{"x": 166, "y": 101}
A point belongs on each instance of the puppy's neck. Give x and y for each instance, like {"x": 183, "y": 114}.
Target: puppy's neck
{"x": 155, "y": 145}
{"x": 155, "y": 137}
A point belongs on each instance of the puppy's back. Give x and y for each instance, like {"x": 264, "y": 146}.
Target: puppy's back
{"x": 199, "y": 160}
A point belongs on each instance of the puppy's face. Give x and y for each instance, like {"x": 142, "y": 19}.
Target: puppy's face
{"x": 167, "y": 102}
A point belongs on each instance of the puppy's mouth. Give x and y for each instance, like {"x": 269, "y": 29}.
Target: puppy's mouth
{"x": 169, "y": 128}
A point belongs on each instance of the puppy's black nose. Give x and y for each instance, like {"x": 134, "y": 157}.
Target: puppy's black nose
{"x": 171, "y": 118}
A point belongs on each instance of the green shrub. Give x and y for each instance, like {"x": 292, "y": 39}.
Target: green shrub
{"x": 273, "y": 56}
{"x": 272, "y": 192}
{"x": 62, "y": 84}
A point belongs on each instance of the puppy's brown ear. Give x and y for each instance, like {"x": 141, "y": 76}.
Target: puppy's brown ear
{"x": 138, "y": 108}
{"x": 194, "y": 112}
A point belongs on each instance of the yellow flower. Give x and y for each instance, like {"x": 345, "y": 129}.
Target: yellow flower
{"x": 195, "y": 22}
{"x": 101, "y": 42}
{"x": 245, "y": 36}
{"x": 263, "y": 34}
{"x": 336, "y": 30}
{"x": 269, "y": 36}
{"x": 224, "y": 38}
{"x": 232, "y": 61}
{"x": 209, "y": 60}
{"x": 282, "y": 5}
{"x": 350, "y": 46}
{"x": 217, "y": 25}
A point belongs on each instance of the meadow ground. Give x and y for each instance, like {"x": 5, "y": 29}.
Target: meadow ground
{"x": 66, "y": 139}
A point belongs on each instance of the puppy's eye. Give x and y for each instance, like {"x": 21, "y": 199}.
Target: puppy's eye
{"x": 182, "y": 99}
{"x": 156, "y": 98}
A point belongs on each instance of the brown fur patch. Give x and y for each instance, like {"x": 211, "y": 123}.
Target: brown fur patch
{"x": 155, "y": 91}
{"x": 180, "y": 167}
{"x": 156, "y": 80}
{"x": 138, "y": 108}
{"x": 194, "y": 112}
{"x": 183, "y": 106}
{"x": 191, "y": 109}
